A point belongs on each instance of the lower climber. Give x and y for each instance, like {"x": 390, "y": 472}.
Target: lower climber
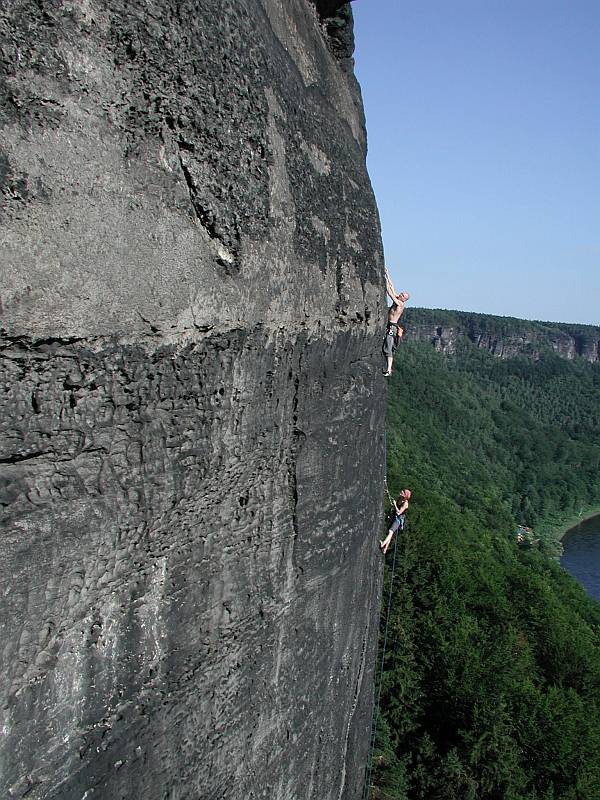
{"x": 393, "y": 332}
{"x": 399, "y": 520}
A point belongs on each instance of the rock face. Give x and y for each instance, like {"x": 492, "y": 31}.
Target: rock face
{"x": 504, "y": 337}
{"x": 191, "y": 417}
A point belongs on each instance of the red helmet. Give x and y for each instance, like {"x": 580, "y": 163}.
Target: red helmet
{"x": 406, "y": 494}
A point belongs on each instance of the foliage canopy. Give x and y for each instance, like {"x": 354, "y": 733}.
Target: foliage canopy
{"x": 491, "y": 684}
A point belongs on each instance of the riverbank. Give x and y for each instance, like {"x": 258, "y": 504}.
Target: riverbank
{"x": 587, "y": 513}
{"x": 557, "y": 526}
{"x": 581, "y": 555}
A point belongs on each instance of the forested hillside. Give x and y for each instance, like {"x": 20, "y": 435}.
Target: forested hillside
{"x": 509, "y": 440}
{"x": 491, "y": 687}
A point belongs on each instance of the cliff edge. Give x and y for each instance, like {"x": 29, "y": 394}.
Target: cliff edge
{"x": 191, "y": 413}
{"x": 504, "y": 337}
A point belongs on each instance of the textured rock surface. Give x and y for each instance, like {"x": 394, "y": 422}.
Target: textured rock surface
{"x": 504, "y": 337}
{"x": 191, "y": 413}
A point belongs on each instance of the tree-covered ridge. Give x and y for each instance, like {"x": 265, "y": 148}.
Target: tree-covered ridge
{"x": 499, "y": 326}
{"x": 491, "y": 687}
{"x": 511, "y": 440}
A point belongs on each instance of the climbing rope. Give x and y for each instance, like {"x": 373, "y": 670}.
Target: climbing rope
{"x": 375, "y": 717}
{"x": 378, "y": 685}
{"x": 387, "y": 491}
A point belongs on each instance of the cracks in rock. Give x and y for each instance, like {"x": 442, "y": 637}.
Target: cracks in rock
{"x": 357, "y": 691}
{"x": 18, "y": 458}
{"x": 17, "y": 347}
{"x": 227, "y": 246}
{"x": 298, "y": 438}
{"x": 338, "y": 281}
{"x": 374, "y": 594}
{"x": 200, "y": 212}
{"x": 154, "y": 328}
{"x": 48, "y": 344}
{"x": 293, "y": 487}
{"x": 341, "y": 312}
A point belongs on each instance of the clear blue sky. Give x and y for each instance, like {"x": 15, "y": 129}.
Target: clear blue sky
{"x": 483, "y": 122}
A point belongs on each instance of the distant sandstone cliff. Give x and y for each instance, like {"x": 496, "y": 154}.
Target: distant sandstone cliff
{"x": 505, "y": 337}
{"x": 191, "y": 412}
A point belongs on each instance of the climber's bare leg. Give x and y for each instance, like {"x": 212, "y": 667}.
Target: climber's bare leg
{"x": 386, "y": 542}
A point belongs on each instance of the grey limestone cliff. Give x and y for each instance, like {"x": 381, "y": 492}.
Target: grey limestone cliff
{"x": 191, "y": 415}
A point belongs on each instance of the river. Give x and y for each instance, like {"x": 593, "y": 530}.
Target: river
{"x": 581, "y": 557}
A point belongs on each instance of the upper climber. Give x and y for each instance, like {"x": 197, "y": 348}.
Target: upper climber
{"x": 394, "y": 331}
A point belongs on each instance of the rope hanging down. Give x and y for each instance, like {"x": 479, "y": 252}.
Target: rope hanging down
{"x": 387, "y": 491}
{"x": 375, "y": 715}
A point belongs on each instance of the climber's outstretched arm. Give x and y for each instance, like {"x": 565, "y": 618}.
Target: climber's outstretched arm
{"x": 390, "y": 288}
